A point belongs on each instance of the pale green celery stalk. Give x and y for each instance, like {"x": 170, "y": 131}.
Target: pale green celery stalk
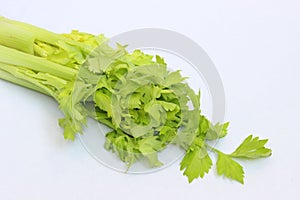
{"x": 11, "y": 78}
{"x": 28, "y": 78}
{"x": 14, "y": 37}
{"x": 18, "y": 58}
{"x": 24, "y": 30}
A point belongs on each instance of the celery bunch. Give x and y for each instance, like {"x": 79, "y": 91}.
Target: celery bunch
{"x": 147, "y": 106}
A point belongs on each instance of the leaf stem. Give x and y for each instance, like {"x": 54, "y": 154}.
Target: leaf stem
{"x": 213, "y": 149}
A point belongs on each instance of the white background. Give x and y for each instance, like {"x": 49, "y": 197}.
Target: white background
{"x": 255, "y": 45}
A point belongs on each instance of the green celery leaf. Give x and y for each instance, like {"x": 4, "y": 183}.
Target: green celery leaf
{"x": 203, "y": 125}
{"x": 124, "y": 146}
{"x": 160, "y": 60}
{"x": 252, "y": 148}
{"x": 103, "y": 101}
{"x": 196, "y": 163}
{"x": 103, "y": 56}
{"x": 168, "y": 106}
{"x": 138, "y": 58}
{"x": 173, "y": 78}
{"x": 229, "y": 168}
{"x": 217, "y": 131}
{"x": 149, "y": 147}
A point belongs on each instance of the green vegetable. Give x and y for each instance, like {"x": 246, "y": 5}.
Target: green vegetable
{"x": 147, "y": 106}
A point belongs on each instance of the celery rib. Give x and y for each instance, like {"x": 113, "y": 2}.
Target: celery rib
{"x": 10, "y": 78}
{"x": 44, "y": 35}
{"x": 14, "y": 37}
{"x": 20, "y": 73}
{"x": 18, "y": 58}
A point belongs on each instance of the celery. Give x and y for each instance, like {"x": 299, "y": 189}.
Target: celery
{"x": 146, "y": 105}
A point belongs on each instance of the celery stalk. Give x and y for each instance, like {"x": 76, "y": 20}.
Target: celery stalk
{"x": 39, "y": 34}
{"x": 46, "y": 83}
{"x": 18, "y": 58}
{"x": 11, "y": 78}
{"x": 14, "y": 37}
